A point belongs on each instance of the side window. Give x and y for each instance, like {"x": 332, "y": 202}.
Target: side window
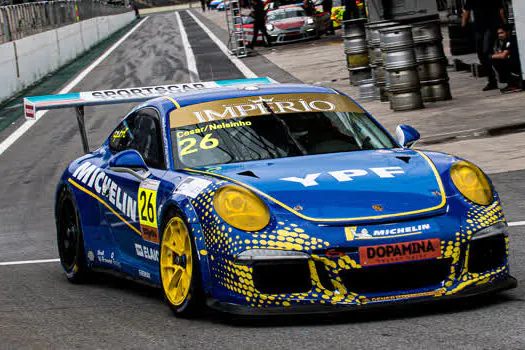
{"x": 141, "y": 132}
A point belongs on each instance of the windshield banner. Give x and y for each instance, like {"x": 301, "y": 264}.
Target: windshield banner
{"x": 260, "y": 106}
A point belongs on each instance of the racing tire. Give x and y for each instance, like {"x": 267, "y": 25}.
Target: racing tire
{"x": 179, "y": 268}
{"x": 70, "y": 239}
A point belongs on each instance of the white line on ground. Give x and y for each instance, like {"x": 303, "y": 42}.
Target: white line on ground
{"x": 190, "y": 57}
{"x": 237, "y": 62}
{"x": 29, "y": 123}
{"x": 25, "y": 262}
{"x": 517, "y": 223}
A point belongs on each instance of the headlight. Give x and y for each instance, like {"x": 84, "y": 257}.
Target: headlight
{"x": 310, "y": 20}
{"x": 471, "y": 182}
{"x": 241, "y": 208}
{"x": 269, "y": 27}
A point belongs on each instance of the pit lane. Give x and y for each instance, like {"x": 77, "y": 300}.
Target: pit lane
{"x": 40, "y": 309}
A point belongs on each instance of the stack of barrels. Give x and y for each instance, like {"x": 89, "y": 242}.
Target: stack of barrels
{"x": 399, "y": 60}
{"x": 431, "y": 60}
{"x": 376, "y": 57}
{"x": 356, "y": 50}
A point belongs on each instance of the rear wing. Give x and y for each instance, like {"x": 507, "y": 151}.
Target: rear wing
{"x": 78, "y": 100}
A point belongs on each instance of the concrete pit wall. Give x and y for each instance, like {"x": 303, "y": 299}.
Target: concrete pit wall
{"x": 23, "y": 62}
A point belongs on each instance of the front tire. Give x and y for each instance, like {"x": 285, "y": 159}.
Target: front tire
{"x": 179, "y": 268}
{"x": 70, "y": 239}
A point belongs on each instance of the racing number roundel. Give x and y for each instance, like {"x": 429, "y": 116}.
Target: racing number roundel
{"x": 147, "y": 198}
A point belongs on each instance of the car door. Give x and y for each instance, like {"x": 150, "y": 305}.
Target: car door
{"x": 137, "y": 235}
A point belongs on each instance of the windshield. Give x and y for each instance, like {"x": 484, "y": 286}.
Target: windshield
{"x": 259, "y": 128}
{"x": 278, "y": 15}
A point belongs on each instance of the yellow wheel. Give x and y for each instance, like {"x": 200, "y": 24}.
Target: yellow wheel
{"x": 179, "y": 267}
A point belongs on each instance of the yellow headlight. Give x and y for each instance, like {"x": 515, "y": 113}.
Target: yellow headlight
{"x": 241, "y": 208}
{"x": 472, "y": 183}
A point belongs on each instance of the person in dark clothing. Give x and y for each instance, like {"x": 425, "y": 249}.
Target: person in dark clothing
{"x": 327, "y": 7}
{"x": 488, "y": 15}
{"x": 135, "y": 8}
{"x": 505, "y": 59}
{"x": 203, "y": 5}
{"x": 259, "y": 15}
{"x": 309, "y": 7}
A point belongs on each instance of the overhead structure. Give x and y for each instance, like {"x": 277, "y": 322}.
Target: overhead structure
{"x": 236, "y": 43}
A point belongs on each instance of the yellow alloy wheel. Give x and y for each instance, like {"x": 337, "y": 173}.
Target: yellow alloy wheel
{"x": 176, "y": 261}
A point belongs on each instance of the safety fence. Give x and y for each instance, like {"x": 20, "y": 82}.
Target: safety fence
{"x": 18, "y": 21}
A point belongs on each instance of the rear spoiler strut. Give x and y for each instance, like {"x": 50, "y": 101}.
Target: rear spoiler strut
{"x": 78, "y": 100}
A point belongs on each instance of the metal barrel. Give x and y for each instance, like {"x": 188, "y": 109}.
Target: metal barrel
{"x": 372, "y": 31}
{"x": 436, "y": 90}
{"x": 429, "y": 51}
{"x": 354, "y": 28}
{"x": 353, "y": 44}
{"x": 396, "y": 37}
{"x": 399, "y": 58}
{"x": 379, "y": 74}
{"x": 376, "y": 57}
{"x": 357, "y": 60}
{"x": 359, "y": 74}
{"x": 406, "y": 100}
{"x": 402, "y": 79}
{"x": 428, "y": 31}
{"x": 433, "y": 69}
{"x": 367, "y": 90}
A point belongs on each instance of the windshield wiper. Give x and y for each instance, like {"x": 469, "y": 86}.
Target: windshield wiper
{"x": 285, "y": 127}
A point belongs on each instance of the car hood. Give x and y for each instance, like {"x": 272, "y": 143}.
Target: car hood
{"x": 289, "y": 23}
{"x": 356, "y": 186}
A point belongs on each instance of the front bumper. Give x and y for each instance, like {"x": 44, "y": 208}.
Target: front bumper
{"x": 500, "y": 285}
{"x": 282, "y": 37}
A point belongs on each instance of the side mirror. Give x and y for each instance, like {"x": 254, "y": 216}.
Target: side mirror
{"x": 129, "y": 161}
{"x": 406, "y": 135}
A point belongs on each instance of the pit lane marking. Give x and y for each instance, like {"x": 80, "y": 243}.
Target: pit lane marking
{"x": 44, "y": 261}
{"x": 4, "y": 145}
{"x": 190, "y": 57}
{"x": 241, "y": 66}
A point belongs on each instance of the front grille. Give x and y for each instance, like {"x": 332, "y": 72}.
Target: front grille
{"x": 396, "y": 277}
{"x": 282, "y": 277}
{"x": 486, "y": 254}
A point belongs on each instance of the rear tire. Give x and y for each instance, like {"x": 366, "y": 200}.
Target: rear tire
{"x": 179, "y": 267}
{"x": 70, "y": 239}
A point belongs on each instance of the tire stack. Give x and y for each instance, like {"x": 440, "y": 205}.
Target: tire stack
{"x": 432, "y": 63}
{"x": 356, "y": 50}
{"x": 399, "y": 59}
{"x": 376, "y": 57}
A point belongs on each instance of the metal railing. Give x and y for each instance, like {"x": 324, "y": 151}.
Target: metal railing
{"x": 18, "y": 21}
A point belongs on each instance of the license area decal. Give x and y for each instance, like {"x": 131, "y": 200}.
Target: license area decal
{"x": 147, "y": 199}
{"x": 400, "y": 252}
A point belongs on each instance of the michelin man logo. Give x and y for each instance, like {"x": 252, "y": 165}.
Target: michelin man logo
{"x": 351, "y": 233}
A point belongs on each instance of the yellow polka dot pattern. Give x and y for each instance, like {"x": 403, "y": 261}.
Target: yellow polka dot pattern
{"x": 223, "y": 243}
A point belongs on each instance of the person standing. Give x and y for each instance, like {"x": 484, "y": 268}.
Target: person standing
{"x": 259, "y": 15}
{"x": 327, "y": 7}
{"x": 135, "y": 8}
{"x": 488, "y": 16}
{"x": 203, "y": 5}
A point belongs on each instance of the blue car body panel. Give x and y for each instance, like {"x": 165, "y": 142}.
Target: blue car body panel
{"x": 333, "y": 212}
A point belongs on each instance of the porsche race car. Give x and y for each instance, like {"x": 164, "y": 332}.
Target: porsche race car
{"x": 255, "y": 197}
{"x": 290, "y": 23}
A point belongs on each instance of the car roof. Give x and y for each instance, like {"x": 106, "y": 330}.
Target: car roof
{"x": 209, "y": 95}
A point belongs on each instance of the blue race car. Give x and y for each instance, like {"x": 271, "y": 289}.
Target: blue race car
{"x": 254, "y": 197}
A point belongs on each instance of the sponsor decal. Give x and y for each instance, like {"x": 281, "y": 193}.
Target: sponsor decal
{"x": 144, "y": 274}
{"x": 143, "y": 91}
{"x": 356, "y": 233}
{"x": 97, "y": 180}
{"x": 192, "y": 186}
{"x": 257, "y": 106}
{"x": 399, "y": 252}
{"x": 147, "y": 198}
{"x": 101, "y": 257}
{"x": 406, "y": 296}
{"x": 147, "y": 252}
{"x": 347, "y": 175}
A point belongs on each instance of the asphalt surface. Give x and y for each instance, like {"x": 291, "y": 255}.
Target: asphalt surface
{"x": 39, "y": 309}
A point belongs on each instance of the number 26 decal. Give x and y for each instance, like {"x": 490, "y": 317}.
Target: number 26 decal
{"x": 147, "y": 203}
{"x": 189, "y": 145}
